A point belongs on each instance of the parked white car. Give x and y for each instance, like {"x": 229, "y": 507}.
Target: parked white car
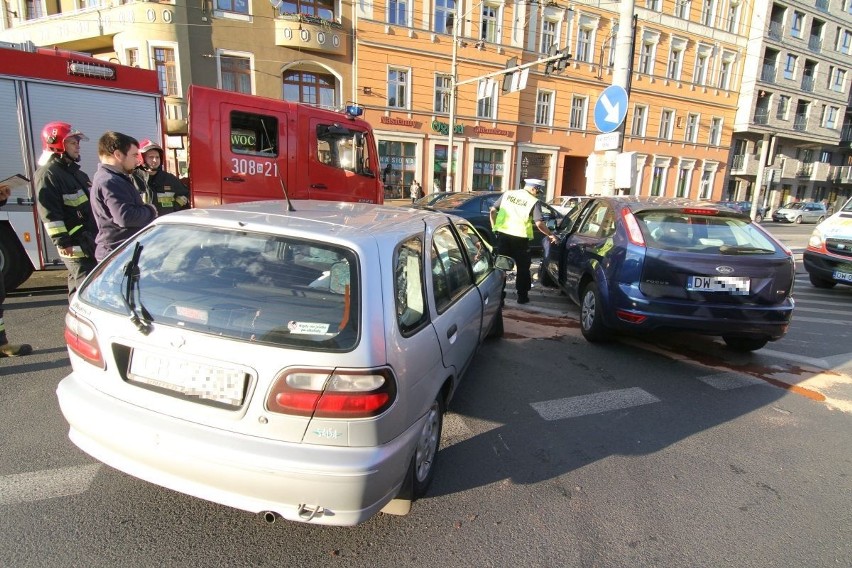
{"x": 291, "y": 363}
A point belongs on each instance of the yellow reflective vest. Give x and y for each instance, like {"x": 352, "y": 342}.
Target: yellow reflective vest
{"x": 513, "y": 218}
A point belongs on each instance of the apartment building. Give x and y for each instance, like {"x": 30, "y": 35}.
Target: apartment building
{"x": 691, "y": 75}
{"x": 793, "y": 128}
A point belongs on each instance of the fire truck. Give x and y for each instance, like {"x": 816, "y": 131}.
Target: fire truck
{"x": 37, "y": 86}
{"x": 247, "y": 148}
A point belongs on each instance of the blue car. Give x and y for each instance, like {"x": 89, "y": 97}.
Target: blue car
{"x": 638, "y": 264}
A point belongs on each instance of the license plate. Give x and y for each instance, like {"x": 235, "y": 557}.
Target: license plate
{"x": 842, "y": 276}
{"x": 735, "y": 285}
{"x": 208, "y": 382}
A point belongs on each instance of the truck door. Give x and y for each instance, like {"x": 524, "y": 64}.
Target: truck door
{"x": 341, "y": 162}
{"x": 252, "y": 154}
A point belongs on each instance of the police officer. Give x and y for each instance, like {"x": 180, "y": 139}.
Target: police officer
{"x": 512, "y": 219}
{"x": 163, "y": 189}
{"x": 8, "y": 349}
{"x": 63, "y": 200}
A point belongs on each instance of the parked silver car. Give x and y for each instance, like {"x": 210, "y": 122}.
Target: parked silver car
{"x": 290, "y": 363}
{"x": 801, "y": 212}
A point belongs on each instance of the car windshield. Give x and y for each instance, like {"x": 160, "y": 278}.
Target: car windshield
{"x": 453, "y": 201}
{"x": 847, "y": 208}
{"x": 243, "y": 285}
{"x": 797, "y": 205}
{"x": 700, "y": 232}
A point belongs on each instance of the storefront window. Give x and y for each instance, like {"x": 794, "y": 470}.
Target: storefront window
{"x": 439, "y": 176}
{"x": 399, "y": 166}
{"x": 487, "y": 170}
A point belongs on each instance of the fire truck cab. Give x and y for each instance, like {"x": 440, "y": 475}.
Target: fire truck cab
{"x": 247, "y": 148}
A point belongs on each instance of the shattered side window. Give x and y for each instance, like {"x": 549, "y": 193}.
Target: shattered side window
{"x": 411, "y": 312}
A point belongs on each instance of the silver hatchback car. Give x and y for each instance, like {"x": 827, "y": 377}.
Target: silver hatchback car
{"x": 801, "y": 212}
{"x": 294, "y": 363}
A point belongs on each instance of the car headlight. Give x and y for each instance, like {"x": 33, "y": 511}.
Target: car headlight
{"x": 816, "y": 240}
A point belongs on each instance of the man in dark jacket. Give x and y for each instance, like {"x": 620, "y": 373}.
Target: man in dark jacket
{"x": 162, "y": 188}
{"x": 8, "y": 349}
{"x": 116, "y": 203}
{"x": 63, "y": 200}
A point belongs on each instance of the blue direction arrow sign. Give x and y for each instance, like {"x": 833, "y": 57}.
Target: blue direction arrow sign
{"x": 611, "y": 108}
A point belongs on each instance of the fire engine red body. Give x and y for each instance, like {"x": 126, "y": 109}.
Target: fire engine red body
{"x": 248, "y": 148}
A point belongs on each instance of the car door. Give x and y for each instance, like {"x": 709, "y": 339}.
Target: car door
{"x": 489, "y": 280}
{"x": 587, "y": 244}
{"x": 456, "y": 303}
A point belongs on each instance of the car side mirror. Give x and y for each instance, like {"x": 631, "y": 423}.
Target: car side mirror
{"x": 504, "y": 262}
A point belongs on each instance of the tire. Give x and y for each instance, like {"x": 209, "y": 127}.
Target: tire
{"x": 426, "y": 452}
{"x": 818, "y": 282}
{"x": 591, "y": 320}
{"x": 15, "y": 266}
{"x": 744, "y": 344}
{"x": 496, "y": 330}
{"x": 820, "y": 220}
{"x": 798, "y": 220}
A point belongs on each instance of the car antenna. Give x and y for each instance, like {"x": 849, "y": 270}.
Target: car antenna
{"x": 287, "y": 197}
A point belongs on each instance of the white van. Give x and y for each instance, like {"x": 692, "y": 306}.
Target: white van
{"x": 828, "y": 258}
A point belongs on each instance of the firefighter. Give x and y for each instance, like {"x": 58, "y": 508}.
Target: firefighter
{"x": 512, "y": 218}
{"x": 63, "y": 200}
{"x": 160, "y": 187}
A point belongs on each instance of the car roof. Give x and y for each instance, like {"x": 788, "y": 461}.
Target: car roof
{"x": 644, "y": 202}
{"x": 356, "y": 222}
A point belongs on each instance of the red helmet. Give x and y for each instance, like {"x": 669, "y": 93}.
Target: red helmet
{"x": 54, "y": 134}
{"x": 146, "y": 145}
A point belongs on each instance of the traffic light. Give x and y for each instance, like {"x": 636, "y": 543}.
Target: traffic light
{"x": 550, "y": 66}
{"x": 562, "y": 62}
{"x": 557, "y": 65}
{"x": 507, "y": 77}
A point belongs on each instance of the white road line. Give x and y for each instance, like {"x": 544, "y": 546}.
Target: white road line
{"x": 586, "y": 404}
{"x": 46, "y": 484}
{"x": 729, "y": 381}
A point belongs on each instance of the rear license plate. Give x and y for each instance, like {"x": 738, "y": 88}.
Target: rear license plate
{"x": 735, "y": 285}
{"x": 217, "y": 384}
{"x": 842, "y": 276}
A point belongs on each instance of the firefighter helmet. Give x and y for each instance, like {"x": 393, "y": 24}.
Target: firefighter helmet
{"x": 54, "y": 135}
{"x": 146, "y": 145}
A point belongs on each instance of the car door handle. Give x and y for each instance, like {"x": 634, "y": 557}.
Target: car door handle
{"x": 318, "y": 186}
{"x": 234, "y": 178}
{"x": 452, "y": 331}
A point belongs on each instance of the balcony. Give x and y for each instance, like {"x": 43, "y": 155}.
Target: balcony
{"x": 842, "y": 174}
{"x": 767, "y": 75}
{"x": 89, "y": 29}
{"x": 807, "y": 83}
{"x": 776, "y": 30}
{"x": 800, "y": 122}
{"x": 311, "y": 33}
{"x": 821, "y": 171}
{"x": 761, "y": 116}
{"x": 846, "y": 134}
{"x": 805, "y": 170}
{"x": 744, "y": 165}
{"x": 815, "y": 44}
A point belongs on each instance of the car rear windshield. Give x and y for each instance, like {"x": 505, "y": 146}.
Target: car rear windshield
{"x": 247, "y": 286}
{"x": 709, "y": 233}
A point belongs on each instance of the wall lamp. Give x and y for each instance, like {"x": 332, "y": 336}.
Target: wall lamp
{"x": 367, "y": 90}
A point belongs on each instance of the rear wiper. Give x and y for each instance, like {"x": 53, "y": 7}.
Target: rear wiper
{"x": 743, "y": 249}
{"x": 142, "y": 318}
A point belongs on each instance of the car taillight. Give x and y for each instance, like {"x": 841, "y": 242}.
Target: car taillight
{"x": 81, "y": 339}
{"x": 335, "y": 393}
{"x": 630, "y": 317}
{"x": 700, "y": 211}
{"x": 634, "y": 233}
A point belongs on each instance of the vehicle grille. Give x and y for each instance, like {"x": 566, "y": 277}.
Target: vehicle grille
{"x": 840, "y": 247}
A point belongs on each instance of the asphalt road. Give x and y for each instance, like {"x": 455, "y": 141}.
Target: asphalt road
{"x": 663, "y": 452}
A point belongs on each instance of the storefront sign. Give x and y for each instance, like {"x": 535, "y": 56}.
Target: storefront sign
{"x": 444, "y": 128}
{"x": 480, "y": 130}
{"x": 400, "y": 122}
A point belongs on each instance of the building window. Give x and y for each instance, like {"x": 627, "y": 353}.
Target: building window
{"x": 725, "y": 73}
{"x": 397, "y": 88}
{"x": 486, "y": 106}
{"x": 235, "y": 73}
{"x": 691, "y": 132}
{"x": 646, "y": 57}
{"x": 443, "y": 88}
{"x": 681, "y": 9}
{"x": 708, "y": 12}
{"x": 584, "y": 45}
{"x": 548, "y": 35}
{"x": 706, "y": 188}
{"x": 658, "y": 180}
{"x": 544, "y": 108}
{"x": 319, "y": 8}
{"x": 798, "y": 21}
{"x": 675, "y": 61}
{"x": 166, "y": 68}
{"x": 701, "y": 66}
{"x": 715, "y": 137}
{"x": 398, "y": 161}
{"x": 790, "y": 66}
{"x": 310, "y": 88}
{"x": 489, "y": 25}
{"x": 831, "y": 117}
{"x": 844, "y": 41}
{"x": 445, "y": 13}
{"x": 132, "y": 57}
{"x": 578, "y": 113}
{"x": 35, "y": 9}
{"x": 684, "y": 174}
{"x": 666, "y": 123}
{"x": 488, "y": 169}
{"x": 838, "y": 80}
{"x": 640, "y": 118}
{"x": 732, "y": 21}
{"x": 655, "y": 5}
{"x": 398, "y": 12}
{"x": 783, "y": 107}
{"x": 236, "y": 6}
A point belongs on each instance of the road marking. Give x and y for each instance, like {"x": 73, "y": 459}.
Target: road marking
{"x": 46, "y": 484}
{"x": 596, "y": 403}
{"x": 729, "y": 381}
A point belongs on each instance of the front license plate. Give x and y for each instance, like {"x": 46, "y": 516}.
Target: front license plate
{"x": 842, "y": 276}
{"x": 735, "y": 285}
{"x": 217, "y": 384}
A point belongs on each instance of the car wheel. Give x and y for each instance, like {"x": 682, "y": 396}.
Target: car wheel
{"x": 591, "y": 321}
{"x": 799, "y": 220}
{"x": 427, "y": 448}
{"x": 820, "y": 220}
{"x": 496, "y": 330}
{"x": 821, "y": 282}
{"x": 744, "y": 344}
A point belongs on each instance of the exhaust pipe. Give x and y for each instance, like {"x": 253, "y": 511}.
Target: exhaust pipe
{"x": 270, "y": 516}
